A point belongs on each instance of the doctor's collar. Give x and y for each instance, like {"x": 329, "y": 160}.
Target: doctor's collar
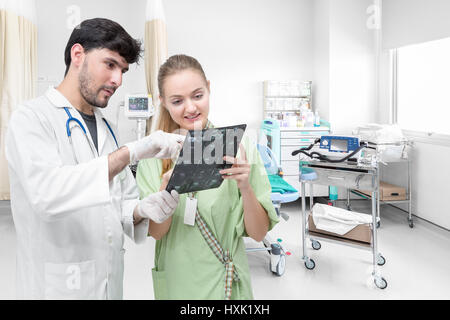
{"x": 57, "y": 98}
{"x": 60, "y": 101}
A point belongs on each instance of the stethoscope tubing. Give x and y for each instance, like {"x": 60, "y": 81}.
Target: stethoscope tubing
{"x": 71, "y": 118}
{"x": 69, "y": 133}
{"x": 112, "y": 133}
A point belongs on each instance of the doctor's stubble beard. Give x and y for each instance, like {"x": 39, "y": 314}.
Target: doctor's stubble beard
{"x": 85, "y": 82}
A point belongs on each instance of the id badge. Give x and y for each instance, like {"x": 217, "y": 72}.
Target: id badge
{"x": 190, "y": 210}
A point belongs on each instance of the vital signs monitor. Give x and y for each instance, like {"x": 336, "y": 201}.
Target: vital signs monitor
{"x": 138, "y": 106}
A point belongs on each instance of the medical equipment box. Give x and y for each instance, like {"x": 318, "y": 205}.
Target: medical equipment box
{"x": 361, "y": 233}
{"x": 340, "y": 144}
{"x": 388, "y": 192}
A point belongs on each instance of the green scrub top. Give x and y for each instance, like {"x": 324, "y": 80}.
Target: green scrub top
{"x": 185, "y": 266}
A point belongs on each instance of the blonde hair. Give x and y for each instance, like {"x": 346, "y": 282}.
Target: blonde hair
{"x": 173, "y": 65}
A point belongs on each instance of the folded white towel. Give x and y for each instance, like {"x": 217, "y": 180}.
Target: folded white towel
{"x": 337, "y": 220}
{"x": 380, "y": 133}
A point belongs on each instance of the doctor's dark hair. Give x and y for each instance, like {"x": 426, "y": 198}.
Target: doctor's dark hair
{"x": 100, "y": 33}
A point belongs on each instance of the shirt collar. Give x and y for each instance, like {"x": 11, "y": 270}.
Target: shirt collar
{"x": 57, "y": 98}
{"x": 60, "y": 101}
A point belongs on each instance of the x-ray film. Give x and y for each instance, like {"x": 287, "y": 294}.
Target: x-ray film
{"x": 198, "y": 165}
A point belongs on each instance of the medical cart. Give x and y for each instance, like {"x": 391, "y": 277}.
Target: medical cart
{"x": 352, "y": 176}
{"x": 403, "y": 159}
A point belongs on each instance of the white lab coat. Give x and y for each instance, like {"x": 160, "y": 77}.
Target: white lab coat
{"x": 70, "y": 220}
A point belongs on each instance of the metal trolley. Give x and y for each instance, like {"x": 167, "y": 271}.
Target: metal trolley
{"x": 345, "y": 175}
{"x": 403, "y": 159}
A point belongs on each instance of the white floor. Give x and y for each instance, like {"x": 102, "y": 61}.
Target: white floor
{"x": 417, "y": 267}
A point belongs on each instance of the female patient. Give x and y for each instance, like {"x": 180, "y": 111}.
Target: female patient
{"x": 186, "y": 266}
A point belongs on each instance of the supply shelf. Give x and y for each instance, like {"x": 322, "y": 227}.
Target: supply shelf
{"x": 403, "y": 159}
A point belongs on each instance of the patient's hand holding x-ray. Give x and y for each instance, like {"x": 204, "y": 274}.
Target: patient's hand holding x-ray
{"x": 198, "y": 165}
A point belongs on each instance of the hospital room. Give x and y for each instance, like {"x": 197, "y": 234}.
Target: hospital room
{"x": 224, "y": 150}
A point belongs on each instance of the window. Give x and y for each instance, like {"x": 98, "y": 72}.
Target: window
{"x": 422, "y": 87}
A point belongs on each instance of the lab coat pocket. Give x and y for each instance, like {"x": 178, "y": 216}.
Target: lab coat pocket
{"x": 159, "y": 285}
{"x": 70, "y": 280}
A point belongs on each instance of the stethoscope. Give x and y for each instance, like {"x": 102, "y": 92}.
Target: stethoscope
{"x": 69, "y": 132}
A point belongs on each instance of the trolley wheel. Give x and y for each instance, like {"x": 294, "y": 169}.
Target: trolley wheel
{"x": 411, "y": 223}
{"x": 349, "y": 208}
{"x": 381, "y": 260}
{"x": 316, "y": 245}
{"x": 310, "y": 264}
{"x": 281, "y": 266}
{"x": 380, "y": 282}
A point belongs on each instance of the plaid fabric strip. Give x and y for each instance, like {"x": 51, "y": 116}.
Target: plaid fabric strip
{"x": 209, "y": 237}
{"x": 223, "y": 256}
{"x": 230, "y": 275}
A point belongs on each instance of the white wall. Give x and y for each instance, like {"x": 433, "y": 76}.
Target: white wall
{"x": 407, "y": 22}
{"x": 321, "y": 77}
{"x": 352, "y": 65}
{"x": 344, "y": 61}
{"x": 344, "y": 65}
{"x": 238, "y": 43}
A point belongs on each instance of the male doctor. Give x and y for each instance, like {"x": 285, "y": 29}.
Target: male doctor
{"x": 72, "y": 194}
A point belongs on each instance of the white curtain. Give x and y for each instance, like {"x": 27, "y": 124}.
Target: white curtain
{"x": 155, "y": 52}
{"x": 18, "y": 61}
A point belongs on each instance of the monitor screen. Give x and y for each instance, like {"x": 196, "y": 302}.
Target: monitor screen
{"x": 138, "y": 104}
{"x": 339, "y": 145}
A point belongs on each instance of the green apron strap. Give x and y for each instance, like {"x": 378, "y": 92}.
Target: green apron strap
{"x": 223, "y": 256}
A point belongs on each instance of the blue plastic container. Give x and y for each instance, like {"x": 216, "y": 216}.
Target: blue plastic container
{"x": 333, "y": 193}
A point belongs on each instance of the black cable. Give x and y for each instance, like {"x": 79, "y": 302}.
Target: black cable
{"x": 310, "y": 146}
{"x": 316, "y": 155}
{"x": 296, "y": 152}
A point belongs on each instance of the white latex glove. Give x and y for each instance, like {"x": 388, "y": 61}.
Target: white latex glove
{"x": 159, "y": 145}
{"x": 158, "y": 206}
